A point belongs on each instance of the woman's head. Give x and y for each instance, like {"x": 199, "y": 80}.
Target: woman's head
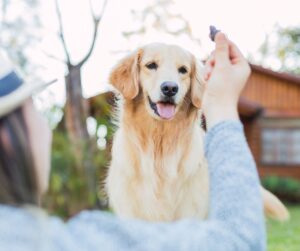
{"x": 25, "y": 141}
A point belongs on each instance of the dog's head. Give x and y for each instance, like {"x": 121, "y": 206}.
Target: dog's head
{"x": 165, "y": 75}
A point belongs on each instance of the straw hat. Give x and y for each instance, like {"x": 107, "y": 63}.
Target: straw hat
{"x": 13, "y": 90}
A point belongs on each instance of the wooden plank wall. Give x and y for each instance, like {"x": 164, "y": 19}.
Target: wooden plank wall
{"x": 280, "y": 99}
{"x": 272, "y": 93}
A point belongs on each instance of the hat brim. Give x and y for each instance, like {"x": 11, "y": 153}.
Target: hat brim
{"x": 15, "y": 99}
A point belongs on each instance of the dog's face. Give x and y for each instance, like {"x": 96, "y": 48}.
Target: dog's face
{"x": 166, "y": 75}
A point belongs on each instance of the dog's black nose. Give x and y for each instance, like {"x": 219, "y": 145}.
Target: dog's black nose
{"x": 169, "y": 89}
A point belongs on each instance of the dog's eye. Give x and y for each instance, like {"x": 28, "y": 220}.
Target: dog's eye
{"x": 152, "y": 66}
{"x": 182, "y": 70}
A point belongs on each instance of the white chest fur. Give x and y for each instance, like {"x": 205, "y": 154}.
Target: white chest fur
{"x": 143, "y": 185}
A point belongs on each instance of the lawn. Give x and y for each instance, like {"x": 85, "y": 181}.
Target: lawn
{"x": 285, "y": 236}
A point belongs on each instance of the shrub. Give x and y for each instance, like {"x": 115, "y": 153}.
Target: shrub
{"x": 68, "y": 191}
{"x": 285, "y": 188}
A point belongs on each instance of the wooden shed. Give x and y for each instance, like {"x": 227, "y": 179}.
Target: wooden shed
{"x": 270, "y": 111}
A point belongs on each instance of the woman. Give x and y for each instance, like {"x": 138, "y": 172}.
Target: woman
{"x": 21, "y": 126}
{"x": 236, "y": 215}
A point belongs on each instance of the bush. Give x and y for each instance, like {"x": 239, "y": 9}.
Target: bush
{"x": 68, "y": 191}
{"x": 285, "y": 188}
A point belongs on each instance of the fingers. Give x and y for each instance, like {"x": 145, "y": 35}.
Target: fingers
{"x": 209, "y": 65}
{"x": 234, "y": 53}
{"x": 226, "y": 52}
{"x": 207, "y": 74}
{"x": 222, "y": 49}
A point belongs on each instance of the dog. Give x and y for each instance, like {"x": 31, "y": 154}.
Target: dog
{"x": 158, "y": 170}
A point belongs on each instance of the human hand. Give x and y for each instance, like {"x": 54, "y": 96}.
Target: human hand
{"x": 226, "y": 73}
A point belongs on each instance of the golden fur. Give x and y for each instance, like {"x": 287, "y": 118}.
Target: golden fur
{"x": 158, "y": 169}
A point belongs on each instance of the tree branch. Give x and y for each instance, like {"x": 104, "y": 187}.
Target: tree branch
{"x": 95, "y": 17}
{"x": 61, "y": 33}
{"x": 96, "y": 20}
{"x": 54, "y": 57}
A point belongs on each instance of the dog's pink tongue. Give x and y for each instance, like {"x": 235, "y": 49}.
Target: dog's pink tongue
{"x": 166, "y": 111}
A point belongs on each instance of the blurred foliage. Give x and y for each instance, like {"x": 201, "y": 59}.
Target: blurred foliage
{"x": 160, "y": 15}
{"x": 160, "y": 18}
{"x": 285, "y": 188}
{"x": 284, "y": 44}
{"x": 68, "y": 190}
{"x": 16, "y": 37}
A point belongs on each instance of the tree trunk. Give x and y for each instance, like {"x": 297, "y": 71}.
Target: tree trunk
{"x": 76, "y": 109}
{"x": 76, "y": 113}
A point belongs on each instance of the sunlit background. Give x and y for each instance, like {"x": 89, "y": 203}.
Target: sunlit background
{"x": 267, "y": 32}
{"x": 248, "y": 23}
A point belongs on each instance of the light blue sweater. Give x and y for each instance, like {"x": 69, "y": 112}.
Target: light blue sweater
{"x": 235, "y": 222}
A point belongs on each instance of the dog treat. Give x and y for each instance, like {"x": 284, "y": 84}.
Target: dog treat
{"x": 213, "y": 32}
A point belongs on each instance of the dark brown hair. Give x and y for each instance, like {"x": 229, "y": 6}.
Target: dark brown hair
{"x": 18, "y": 181}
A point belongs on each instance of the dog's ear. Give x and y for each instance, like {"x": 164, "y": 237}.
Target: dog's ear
{"x": 197, "y": 83}
{"x": 125, "y": 76}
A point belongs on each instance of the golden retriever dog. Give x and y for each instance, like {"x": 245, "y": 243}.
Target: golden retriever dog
{"x": 158, "y": 170}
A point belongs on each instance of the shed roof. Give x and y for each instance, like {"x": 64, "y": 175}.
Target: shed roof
{"x": 248, "y": 108}
{"x": 293, "y": 78}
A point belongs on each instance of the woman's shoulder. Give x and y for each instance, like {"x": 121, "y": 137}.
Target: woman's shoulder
{"x": 30, "y": 228}
{"x": 19, "y": 229}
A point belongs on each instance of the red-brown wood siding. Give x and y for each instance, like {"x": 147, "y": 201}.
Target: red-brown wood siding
{"x": 273, "y": 94}
{"x": 280, "y": 99}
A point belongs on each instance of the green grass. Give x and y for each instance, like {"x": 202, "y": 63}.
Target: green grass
{"x": 285, "y": 236}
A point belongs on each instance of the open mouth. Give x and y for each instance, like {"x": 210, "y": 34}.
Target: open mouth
{"x": 164, "y": 109}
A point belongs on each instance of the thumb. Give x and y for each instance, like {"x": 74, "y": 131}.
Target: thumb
{"x": 222, "y": 49}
